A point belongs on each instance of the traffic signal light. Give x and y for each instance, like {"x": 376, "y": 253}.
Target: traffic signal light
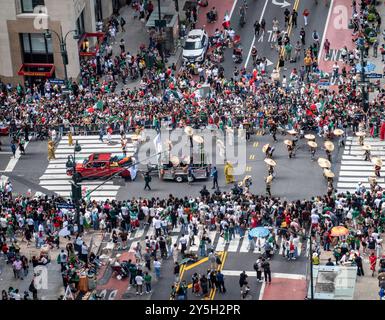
{"x": 76, "y": 192}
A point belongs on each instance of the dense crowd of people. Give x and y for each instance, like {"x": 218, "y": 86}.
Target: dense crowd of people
{"x": 171, "y": 97}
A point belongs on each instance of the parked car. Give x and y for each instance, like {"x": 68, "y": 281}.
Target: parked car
{"x": 195, "y": 46}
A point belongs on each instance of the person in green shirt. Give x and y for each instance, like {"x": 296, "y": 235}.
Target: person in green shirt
{"x": 147, "y": 281}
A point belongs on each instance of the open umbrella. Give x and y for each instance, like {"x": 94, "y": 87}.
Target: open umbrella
{"x": 339, "y": 231}
{"x": 259, "y": 232}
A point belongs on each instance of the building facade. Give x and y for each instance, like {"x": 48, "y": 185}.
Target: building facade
{"x": 28, "y": 54}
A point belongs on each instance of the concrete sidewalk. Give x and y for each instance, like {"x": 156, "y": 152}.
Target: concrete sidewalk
{"x": 55, "y": 284}
{"x": 137, "y": 34}
{"x": 366, "y": 286}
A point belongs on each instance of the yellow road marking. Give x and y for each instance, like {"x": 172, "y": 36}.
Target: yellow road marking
{"x": 255, "y": 144}
{"x": 248, "y": 169}
{"x": 220, "y": 268}
{"x": 197, "y": 263}
{"x": 288, "y": 31}
{"x": 252, "y": 157}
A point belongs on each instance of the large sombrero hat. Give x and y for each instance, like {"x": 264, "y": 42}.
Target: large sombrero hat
{"x": 198, "y": 139}
{"x": 328, "y": 173}
{"x": 240, "y": 184}
{"x": 338, "y": 132}
{"x": 189, "y": 131}
{"x": 360, "y": 134}
{"x": 270, "y": 162}
{"x": 310, "y": 136}
{"x": 372, "y": 179}
{"x": 135, "y": 137}
{"x": 324, "y": 163}
{"x": 366, "y": 147}
{"x": 265, "y": 147}
{"x": 312, "y": 144}
{"x": 174, "y": 160}
{"x": 292, "y": 131}
{"x": 377, "y": 161}
{"x": 269, "y": 178}
{"x": 288, "y": 142}
{"x": 329, "y": 145}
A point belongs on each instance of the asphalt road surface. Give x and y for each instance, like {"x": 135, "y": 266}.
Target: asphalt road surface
{"x": 268, "y": 10}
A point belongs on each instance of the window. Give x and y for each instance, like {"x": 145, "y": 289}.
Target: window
{"x": 27, "y": 6}
{"x": 193, "y": 45}
{"x": 98, "y": 10}
{"x": 80, "y": 24}
{"x": 36, "y": 48}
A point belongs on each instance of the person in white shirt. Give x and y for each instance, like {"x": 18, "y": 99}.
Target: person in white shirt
{"x": 157, "y": 223}
{"x": 314, "y": 220}
{"x": 139, "y": 284}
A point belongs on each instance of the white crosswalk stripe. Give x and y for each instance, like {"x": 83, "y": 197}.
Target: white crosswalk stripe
{"x": 234, "y": 243}
{"x": 354, "y": 168}
{"x": 55, "y": 178}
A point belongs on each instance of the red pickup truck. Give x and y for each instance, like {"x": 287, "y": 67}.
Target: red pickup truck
{"x": 104, "y": 165}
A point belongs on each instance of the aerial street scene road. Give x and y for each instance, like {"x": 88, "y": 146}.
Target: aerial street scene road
{"x": 208, "y": 151}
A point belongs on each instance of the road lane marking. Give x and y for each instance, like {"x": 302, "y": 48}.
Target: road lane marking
{"x": 220, "y": 268}
{"x": 252, "y": 157}
{"x": 195, "y": 264}
{"x": 13, "y": 161}
{"x": 326, "y": 27}
{"x": 288, "y": 31}
{"x": 253, "y": 42}
{"x": 255, "y": 145}
{"x": 248, "y": 169}
{"x": 262, "y": 291}
{"x": 293, "y": 276}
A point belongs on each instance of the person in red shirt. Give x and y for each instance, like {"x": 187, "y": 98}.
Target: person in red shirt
{"x": 373, "y": 262}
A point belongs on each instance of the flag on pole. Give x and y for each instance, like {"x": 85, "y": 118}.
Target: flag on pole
{"x": 158, "y": 143}
{"x": 226, "y": 21}
{"x": 99, "y": 105}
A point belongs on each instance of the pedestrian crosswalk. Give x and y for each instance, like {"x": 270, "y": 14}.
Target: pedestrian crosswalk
{"x": 55, "y": 178}
{"x": 354, "y": 168}
{"x": 236, "y": 244}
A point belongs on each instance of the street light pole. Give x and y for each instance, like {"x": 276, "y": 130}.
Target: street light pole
{"x": 311, "y": 267}
{"x": 76, "y": 194}
{"x": 63, "y": 49}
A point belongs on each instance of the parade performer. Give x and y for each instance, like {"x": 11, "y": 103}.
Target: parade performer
{"x": 367, "y": 152}
{"x": 229, "y": 173}
{"x": 268, "y": 181}
{"x": 290, "y": 147}
{"x": 51, "y": 150}
{"x": 70, "y": 139}
{"x": 382, "y": 131}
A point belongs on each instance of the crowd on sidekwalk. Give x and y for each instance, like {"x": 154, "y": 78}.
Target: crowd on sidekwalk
{"x": 227, "y": 213}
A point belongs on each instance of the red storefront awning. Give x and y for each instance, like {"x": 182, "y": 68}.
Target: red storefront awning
{"x": 37, "y": 70}
{"x": 94, "y": 51}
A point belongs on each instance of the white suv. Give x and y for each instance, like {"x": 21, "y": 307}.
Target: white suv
{"x": 195, "y": 46}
